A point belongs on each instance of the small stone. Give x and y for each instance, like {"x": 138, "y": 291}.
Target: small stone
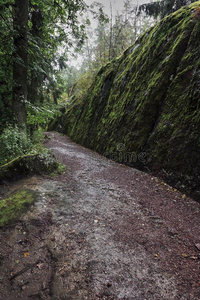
{"x": 109, "y": 284}
{"x": 198, "y": 246}
{"x": 40, "y": 266}
{"x": 106, "y": 293}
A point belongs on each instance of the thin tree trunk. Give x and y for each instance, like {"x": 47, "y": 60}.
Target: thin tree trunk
{"x": 20, "y": 65}
{"x": 111, "y": 34}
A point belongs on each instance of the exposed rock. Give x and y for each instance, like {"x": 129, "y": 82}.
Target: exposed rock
{"x": 148, "y": 100}
{"x": 26, "y": 165}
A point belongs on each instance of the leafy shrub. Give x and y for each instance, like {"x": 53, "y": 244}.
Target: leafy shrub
{"x": 13, "y": 143}
{"x": 37, "y": 137}
{"x": 38, "y": 115}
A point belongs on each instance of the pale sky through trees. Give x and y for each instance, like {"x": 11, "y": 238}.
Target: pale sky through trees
{"x": 117, "y": 5}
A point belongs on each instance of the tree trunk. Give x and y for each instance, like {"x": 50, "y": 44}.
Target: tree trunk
{"x": 20, "y": 64}
{"x": 111, "y": 34}
{"x": 36, "y": 32}
{"x": 33, "y": 94}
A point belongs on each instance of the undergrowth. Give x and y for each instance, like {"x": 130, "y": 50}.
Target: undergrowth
{"x": 15, "y": 143}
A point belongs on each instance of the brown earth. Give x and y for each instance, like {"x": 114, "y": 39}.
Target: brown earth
{"x": 101, "y": 231}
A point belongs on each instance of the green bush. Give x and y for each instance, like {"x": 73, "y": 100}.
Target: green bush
{"x": 40, "y": 116}
{"x": 13, "y": 143}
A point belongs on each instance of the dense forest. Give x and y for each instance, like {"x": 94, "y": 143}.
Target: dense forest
{"x": 31, "y": 34}
{"x": 50, "y": 52}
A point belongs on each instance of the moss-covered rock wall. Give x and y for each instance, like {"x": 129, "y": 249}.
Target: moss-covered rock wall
{"x": 143, "y": 108}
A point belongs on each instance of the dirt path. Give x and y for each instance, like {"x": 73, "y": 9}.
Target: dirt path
{"x": 101, "y": 231}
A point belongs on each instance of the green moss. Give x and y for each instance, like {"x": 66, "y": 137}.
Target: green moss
{"x": 149, "y": 99}
{"x": 39, "y": 164}
{"x": 59, "y": 170}
{"x": 15, "y": 205}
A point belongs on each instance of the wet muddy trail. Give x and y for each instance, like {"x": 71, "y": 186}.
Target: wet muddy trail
{"x": 101, "y": 231}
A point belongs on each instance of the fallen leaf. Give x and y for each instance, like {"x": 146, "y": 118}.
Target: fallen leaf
{"x": 184, "y": 255}
{"x": 156, "y": 255}
{"x": 193, "y": 257}
{"x": 183, "y": 196}
{"x": 26, "y": 254}
{"x": 61, "y": 269}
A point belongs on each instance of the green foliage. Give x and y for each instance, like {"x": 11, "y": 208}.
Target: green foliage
{"x": 40, "y": 115}
{"x": 37, "y": 137}
{"x": 15, "y": 205}
{"x": 59, "y": 170}
{"x": 6, "y": 50}
{"x": 47, "y": 34}
{"x": 13, "y": 143}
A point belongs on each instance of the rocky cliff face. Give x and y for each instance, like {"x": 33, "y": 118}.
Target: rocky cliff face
{"x": 143, "y": 109}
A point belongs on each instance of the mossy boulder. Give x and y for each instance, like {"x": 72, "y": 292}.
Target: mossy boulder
{"x": 15, "y": 205}
{"x": 143, "y": 109}
{"x": 20, "y": 167}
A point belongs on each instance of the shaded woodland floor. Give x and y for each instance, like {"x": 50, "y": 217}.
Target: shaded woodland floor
{"x": 101, "y": 231}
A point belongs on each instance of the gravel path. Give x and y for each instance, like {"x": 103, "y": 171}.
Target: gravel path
{"x": 101, "y": 231}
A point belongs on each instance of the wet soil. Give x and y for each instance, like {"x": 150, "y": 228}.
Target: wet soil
{"x": 100, "y": 231}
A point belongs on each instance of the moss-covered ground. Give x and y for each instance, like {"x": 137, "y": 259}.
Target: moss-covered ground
{"x": 15, "y": 205}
